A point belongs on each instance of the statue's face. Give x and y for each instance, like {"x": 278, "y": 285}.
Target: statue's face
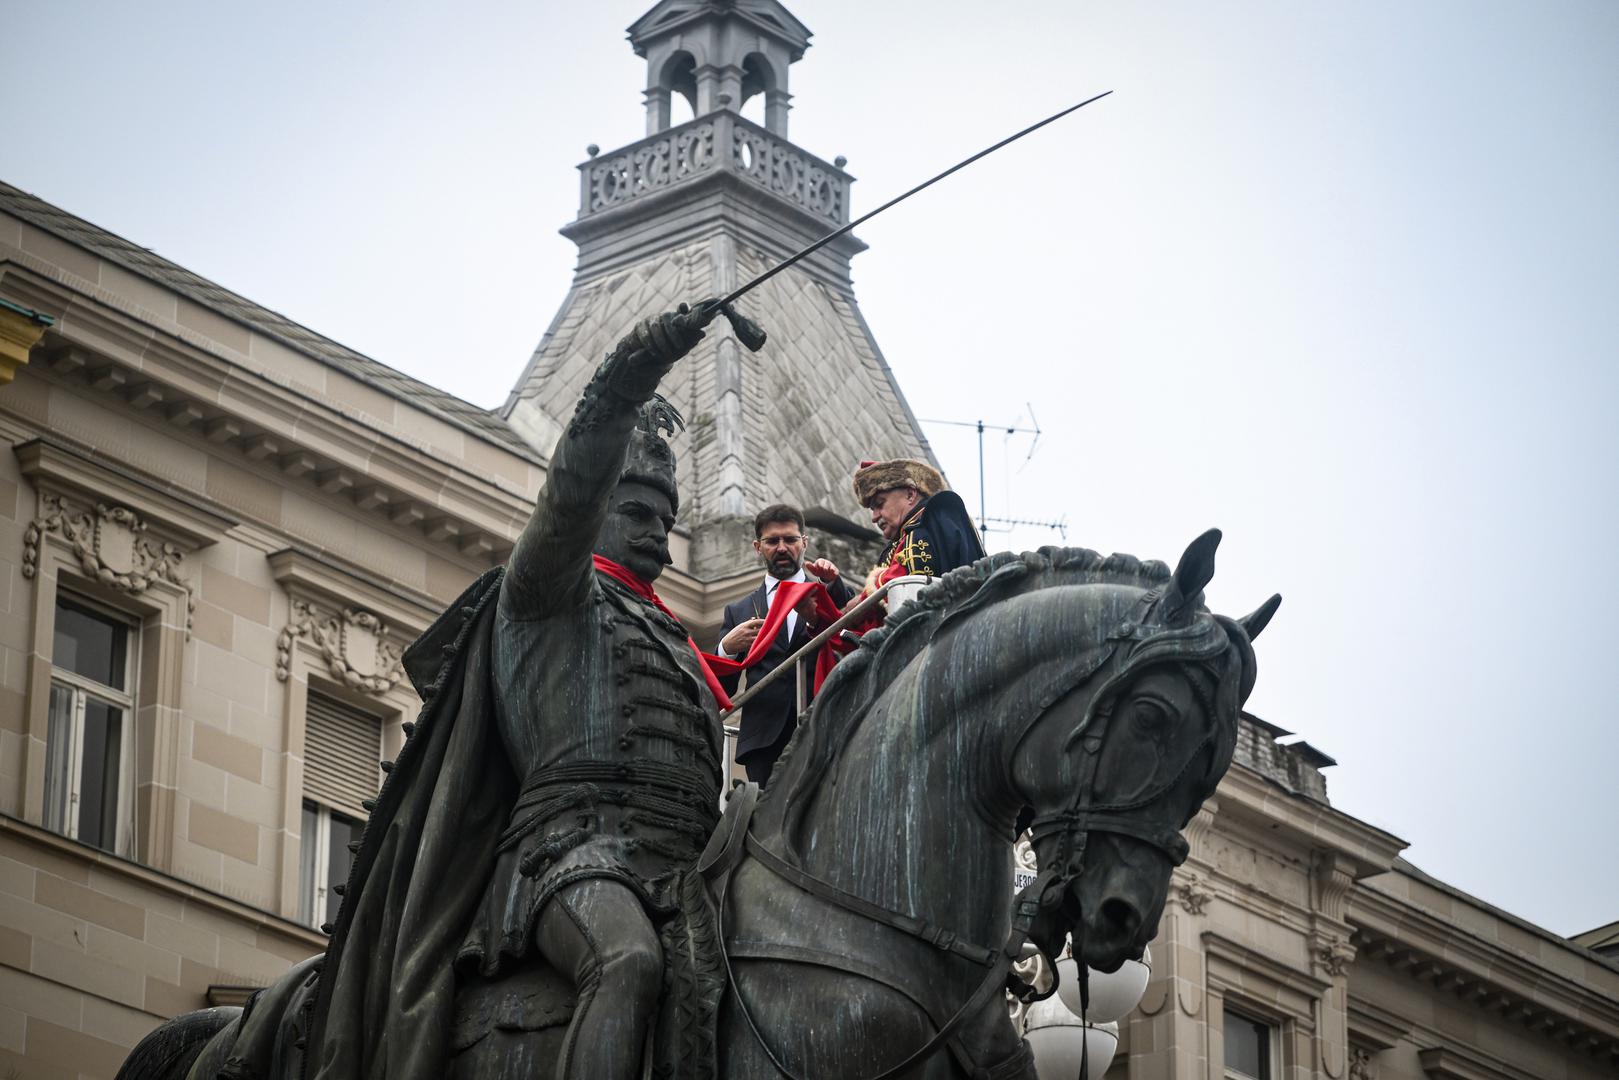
{"x": 636, "y": 532}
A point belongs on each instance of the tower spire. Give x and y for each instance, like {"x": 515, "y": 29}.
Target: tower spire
{"x": 691, "y": 211}
{"x": 717, "y": 55}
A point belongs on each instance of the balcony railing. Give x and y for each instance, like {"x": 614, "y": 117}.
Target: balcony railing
{"x": 720, "y": 141}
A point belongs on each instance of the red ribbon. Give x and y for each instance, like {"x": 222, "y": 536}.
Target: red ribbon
{"x": 645, "y": 591}
{"x": 788, "y": 595}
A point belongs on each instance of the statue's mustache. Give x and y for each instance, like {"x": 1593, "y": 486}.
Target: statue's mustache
{"x": 658, "y": 550}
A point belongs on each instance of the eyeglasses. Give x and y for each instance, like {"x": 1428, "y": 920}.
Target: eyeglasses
{"x": 779, "y": 541}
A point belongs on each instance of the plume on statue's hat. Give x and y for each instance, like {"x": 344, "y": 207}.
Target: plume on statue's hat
{"x": 649, "y": 459}
{"x": 875, "y": 477}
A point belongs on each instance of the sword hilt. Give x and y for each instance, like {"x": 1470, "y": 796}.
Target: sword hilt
{"x": 748, "y": 332}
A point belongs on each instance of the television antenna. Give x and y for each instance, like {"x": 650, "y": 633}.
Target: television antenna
{"x": 1004, "y": 524}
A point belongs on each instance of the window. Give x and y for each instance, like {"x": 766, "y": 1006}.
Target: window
{"x": 1247, "y": 1048}
{"x": 342, "y": 768}
{"x": 88, "y": 752}
{"x": 325, "y": 861}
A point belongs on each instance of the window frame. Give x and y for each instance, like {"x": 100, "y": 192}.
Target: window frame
{"x": 81, "y": 689}
{"x": 1270, "y": 1048}
{"x": 314, "y": 893}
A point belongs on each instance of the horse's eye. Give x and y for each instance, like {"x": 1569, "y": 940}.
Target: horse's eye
{"x": 1149, "y": 717}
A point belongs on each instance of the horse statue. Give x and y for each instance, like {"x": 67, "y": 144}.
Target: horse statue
{"x": 863, "y": 906}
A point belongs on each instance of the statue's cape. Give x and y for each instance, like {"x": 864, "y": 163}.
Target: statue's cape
{"x": 387, "y": 991}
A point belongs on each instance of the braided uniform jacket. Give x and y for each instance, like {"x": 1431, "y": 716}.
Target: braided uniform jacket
{"x": 601, "y": 705}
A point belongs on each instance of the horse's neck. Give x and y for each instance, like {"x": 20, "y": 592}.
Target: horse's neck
{"x": 901, "y": 819}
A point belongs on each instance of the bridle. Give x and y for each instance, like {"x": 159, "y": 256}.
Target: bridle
{"x": 1075, "y": 823}
{"x": 1082, "y": 817}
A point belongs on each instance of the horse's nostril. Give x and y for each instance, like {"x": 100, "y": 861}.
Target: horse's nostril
{"x": 1121, "y": 914}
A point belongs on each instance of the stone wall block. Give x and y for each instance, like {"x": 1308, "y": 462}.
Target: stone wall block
{"x": 222, "y": 833}
{"x": 79, "y": 1053}
{"x": 169, "y": 999}
{"x": 131, "y": 954}
{"x": 90, "y": 905}
{"x": 213, "y": 624}
{"x": 230, "y": 592}
{"x": 75, "y": 966}
{"x": 234, "y": 755}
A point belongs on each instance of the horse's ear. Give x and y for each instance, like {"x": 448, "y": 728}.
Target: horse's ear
{"x": 1195, "y": 570}
{"x": 1256, "y": 620}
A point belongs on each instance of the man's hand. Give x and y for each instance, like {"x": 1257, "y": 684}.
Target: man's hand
{"x": 823, "y": 569}
{"x": 740, "y": 639}
{"x": 807, "y": 612}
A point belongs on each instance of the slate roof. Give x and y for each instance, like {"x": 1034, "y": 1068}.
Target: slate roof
{"x": 138, "y": 260}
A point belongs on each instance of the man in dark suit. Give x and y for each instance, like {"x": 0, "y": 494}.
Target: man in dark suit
{"x": 769, "y": 720}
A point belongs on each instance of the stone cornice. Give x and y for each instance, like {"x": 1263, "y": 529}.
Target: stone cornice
{"x": 1294, "y": 988}
{"x": 1305, "y": 824}
{"x": 303, "y": 435}
{"x": 57, "y": 466}
{"x": 1522, "y": 990}
{"x": 1453, "y": 1063}
{"x": 1375, "y": 1027}
{"x": 337, "y": 583}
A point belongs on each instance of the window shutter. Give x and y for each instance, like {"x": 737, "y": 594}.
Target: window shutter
{"x": 342, "y": 755}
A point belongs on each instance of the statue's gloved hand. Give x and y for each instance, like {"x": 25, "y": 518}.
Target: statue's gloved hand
{"x": 674, "y": 334}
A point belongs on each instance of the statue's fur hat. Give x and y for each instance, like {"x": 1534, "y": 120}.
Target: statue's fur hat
{"x": 649, "y": 460}
{"x": 875, "y": 477}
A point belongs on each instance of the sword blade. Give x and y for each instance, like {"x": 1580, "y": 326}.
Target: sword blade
{"x": 835, "y": 233}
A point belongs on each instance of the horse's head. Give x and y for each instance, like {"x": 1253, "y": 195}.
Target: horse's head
{"x": 1096, "y": 691}
{"x": 1119, "y": 746}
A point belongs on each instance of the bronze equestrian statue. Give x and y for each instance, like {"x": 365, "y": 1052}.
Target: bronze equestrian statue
{"x": 524, "y": 901}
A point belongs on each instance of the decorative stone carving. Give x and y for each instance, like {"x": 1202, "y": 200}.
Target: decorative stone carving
{"x": 720, "y": 142}
{"x": 1362, "y": 1064}
{"x": 649, "y": 165}
{"x": 354, "y": 644}
{"x": 1334, "y": 879}
{"x": 111, "y": 545}
{"x": 1332, "y": 954}
{"x": 1191, "y": 893}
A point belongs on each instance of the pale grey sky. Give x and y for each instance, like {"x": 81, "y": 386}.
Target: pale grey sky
{"x": 1340, "y": 279}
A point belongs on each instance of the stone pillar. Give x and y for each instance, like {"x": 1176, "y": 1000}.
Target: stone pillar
{"x": 718, "y": 87}
{"x": 730, "y": 450}
{"x": 1332, "y": 878}
{"x": 1169, "y": 1033}
{"x": 657, "y": 109}
{"x": 708, "y": 89}
{"x": 776, "y": 106}
{"x": 20, "y": 331}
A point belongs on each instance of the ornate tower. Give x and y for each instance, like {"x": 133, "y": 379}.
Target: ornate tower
{"x": 692, "y": 211}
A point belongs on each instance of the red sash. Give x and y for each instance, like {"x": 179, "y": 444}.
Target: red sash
{"x": 645, "y": 591}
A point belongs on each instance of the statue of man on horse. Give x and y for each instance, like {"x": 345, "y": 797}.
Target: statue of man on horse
{"x": 524, "y": 899}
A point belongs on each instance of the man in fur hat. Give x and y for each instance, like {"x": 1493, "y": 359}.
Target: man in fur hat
{"x": 925, "y": 523}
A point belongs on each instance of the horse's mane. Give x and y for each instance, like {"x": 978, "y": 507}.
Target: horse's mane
{"x": 883, "y": 653}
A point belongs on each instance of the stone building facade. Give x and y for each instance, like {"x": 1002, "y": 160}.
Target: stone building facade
{"x": 218, "y": 531}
